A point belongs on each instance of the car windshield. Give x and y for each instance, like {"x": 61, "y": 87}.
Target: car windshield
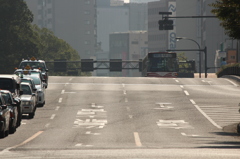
{"x": 7, "y": 98}
{"x": 36, "y": 80}
{"x": 6, "y": 84}
{"x": 26, "y": 89}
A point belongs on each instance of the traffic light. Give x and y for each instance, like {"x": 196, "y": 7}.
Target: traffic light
{"x": 165, "y": 24}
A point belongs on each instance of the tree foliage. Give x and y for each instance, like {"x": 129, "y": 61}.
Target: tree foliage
{"x": 20, "y": 39}
{"x": 228, "y": 11}
{"x": 16, "y": 36}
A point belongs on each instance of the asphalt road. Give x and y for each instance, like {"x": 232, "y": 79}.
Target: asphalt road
{"x": 115, "y": 117}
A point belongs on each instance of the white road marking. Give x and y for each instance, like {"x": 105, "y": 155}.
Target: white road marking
{"x": 192, "y": 101}
{"x": 206, "y": 116}
{"x": 47, "y": 125}
{"x": 60, "y": 100}
{"x": 124, "y": 92}
{"x": 186, "y": 92}
{"x": 63, "y": 91}
{"x": 177, "y": 81}
{"x": 137, "y": 139}
{"x": 53, "y": 116}
{"x": 130, "y": 116}
{"x": 57, "y": 108}
{"x": 70, "y": 79}
{"x": 231, "y": 82}
{"x": 181, "y": 86}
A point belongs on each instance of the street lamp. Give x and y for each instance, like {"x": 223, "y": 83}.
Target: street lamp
{"x": 185, "y": 38}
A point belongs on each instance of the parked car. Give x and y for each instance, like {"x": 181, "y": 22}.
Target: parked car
{"x": 40, "y": 89}
{"x": 12, "y": 105}
{"x": 28, "y": 100}
{"x": 22, "y": 72}
{"x": 34, "y": 63}
{"x": 11, "y": 82}
{"x": 4, "y": 118}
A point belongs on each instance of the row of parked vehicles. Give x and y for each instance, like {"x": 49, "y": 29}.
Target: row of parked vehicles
{"x": 21, "y": 93}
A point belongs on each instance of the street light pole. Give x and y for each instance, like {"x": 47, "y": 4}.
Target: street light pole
{"x": 200, "y": 61}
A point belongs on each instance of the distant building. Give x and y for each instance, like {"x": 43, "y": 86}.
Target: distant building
{"x": 138, "y": 16}
{"x": 128, "y": 46}
{"x": 71, "y": 20}
{"x": 158, "y": 40}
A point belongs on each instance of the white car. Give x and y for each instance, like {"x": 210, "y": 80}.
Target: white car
{"x": 40, "y": 88}
{"x": 28, "y": 100}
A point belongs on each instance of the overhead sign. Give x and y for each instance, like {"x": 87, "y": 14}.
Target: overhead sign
{"x": 172, "y": 7}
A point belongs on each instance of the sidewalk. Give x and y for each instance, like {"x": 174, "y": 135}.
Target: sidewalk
{"x": 209, "y": 75}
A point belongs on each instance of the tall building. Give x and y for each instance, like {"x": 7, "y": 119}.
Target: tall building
{"x": 71, "y": 20}
{"x": 130, "y": 45}
{"x": 157, "y": 39}
{"x": 138, "y": 17}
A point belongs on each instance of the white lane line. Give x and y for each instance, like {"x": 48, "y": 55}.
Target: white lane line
{"x": 177, "y": 81}
{"x": 192, "y": 101}
{"x": 53, "y": 116}
{"x": 130, "y": 116}
{"x": 186, "y": 92}
{"x": 62, "y": 91}
{"x": 231, "y": 82}
{"x": 57, "y": 108}
{"x": 60, "y": 100}
{"x": 47, "y": 125}
{"x": 124, "y": 92}
{"x": 181, "y": 86}
{"x": 70, "y": 79}
{"x": 208, "y": 118}
{"x": 123, "y": 85}
{"x": 137, "y": 139}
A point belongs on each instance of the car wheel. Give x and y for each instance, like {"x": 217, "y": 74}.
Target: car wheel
{"x": 12, "y": 129}
{"x": 238, "y": 128}
{"x": 31, "y": 115}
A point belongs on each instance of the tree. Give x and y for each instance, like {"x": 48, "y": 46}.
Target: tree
{"x": 16, "y": 36}
{"x": 228, "y": 11}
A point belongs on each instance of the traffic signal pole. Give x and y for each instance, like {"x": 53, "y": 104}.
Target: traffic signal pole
{"x": 201, "y": 50}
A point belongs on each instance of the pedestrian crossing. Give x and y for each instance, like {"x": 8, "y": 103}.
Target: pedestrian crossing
{"x": 222, "y": 115}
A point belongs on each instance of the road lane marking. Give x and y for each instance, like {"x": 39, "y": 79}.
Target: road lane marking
{"x": 130, "y": 116}
{"x": 186, "y": 92}
{"x": 137, "y": 139}
{"x": 192, "y": 101}
{"x": 231, "y": 82}
{"x": 23, "y": 143}
{"x": 57, "y": 108}
{"x": 124, "y": 92}
{"x": 63, "y": 91}
{"x": 60, "y": 100}
{"x": 70, "y": 79}
{"x": 208, "y": 118}
{"x": 53, "y": 116}
{"x": 177, "y": 81}
{"x": 47, "y": 125}
{"x": 181, "y": 86}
